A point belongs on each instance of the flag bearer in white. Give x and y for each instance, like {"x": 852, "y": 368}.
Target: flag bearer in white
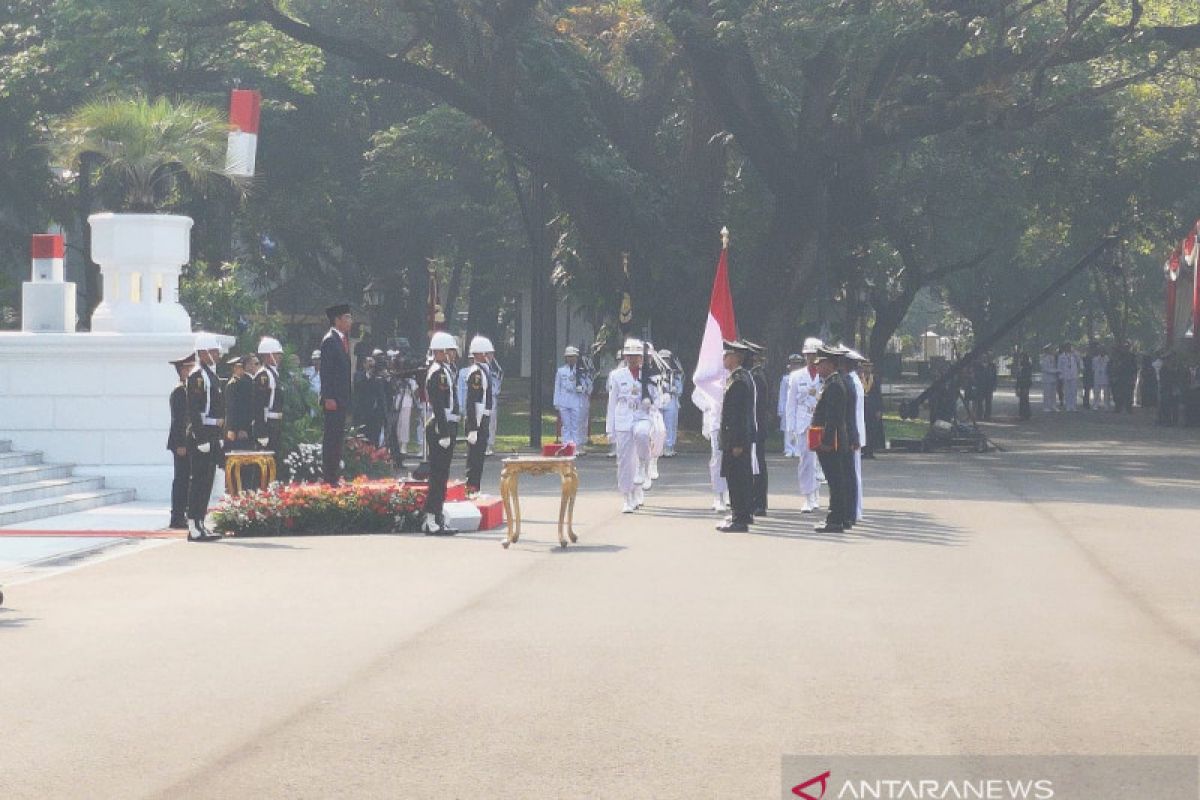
{"x": 628, "y": 424}
{"x": 803, "y": 391}
{"x": 795, "y": 362}
{"x": 673, "y": 389}
{"x": 567, "y": 390}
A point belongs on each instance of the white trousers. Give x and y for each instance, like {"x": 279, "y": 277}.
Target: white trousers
{"x": 581, "y": 429}
{"x": 807, "y": 468}
{"x": 1050, "y": 394}
{"x": 790, "y": 448}
{"x": 858, "y": 479}
{"x": 658, "y": 433}
{"x": 719, "y": 484}
{"x": 1070, "y": 393}
{"x": 404, "y": 424}
{"x": 633, "y": 449}
{"x": 671, "y": 420}
{"x": 570, "y": 425}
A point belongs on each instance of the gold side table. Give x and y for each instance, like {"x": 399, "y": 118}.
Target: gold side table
{"x": 564, "y": 467}
{"x": 236, "y": 460}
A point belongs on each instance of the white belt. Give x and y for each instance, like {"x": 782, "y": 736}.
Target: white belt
{"x": 212, "y": 421}
{"x": 274, "y": 415}
{"x": 452, "y": 417}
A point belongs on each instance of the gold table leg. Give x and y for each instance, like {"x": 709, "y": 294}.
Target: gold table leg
{"x": 573, "y": 477}
{"x": 511, "y": 517}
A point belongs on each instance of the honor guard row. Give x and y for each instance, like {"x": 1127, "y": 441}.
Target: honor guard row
{"x": 209, "y": 418}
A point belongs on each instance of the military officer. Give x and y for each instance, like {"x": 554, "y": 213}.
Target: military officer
{"x": 206, "y": 418}
{"x": 830, "y": 420}
{"x": 756, "y": 364}
{"x": 627, "y": 423}
{"x": 177, "y": 442}
{"x": 477, "y": 411}
{"x": 568, "y": 387}
{"x": 672, "y": 390}
{"x": 857, "y": 425}
{"x": 270, "y": 392}
{"x": 795, "y": 362}
{"x": 441, "y": 428}
{"x": 803, "y": 389}
{"x": 239, "y": 403}
{"x": 739, "y": 438}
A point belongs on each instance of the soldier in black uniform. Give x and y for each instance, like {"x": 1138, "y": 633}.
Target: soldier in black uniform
{"x": 177, "y": 442}
{"x": 269, "y": 390}
{"x": 830, "y": 416}
{"x": 477, "y": 411}
{"x": 844, "y": 365}
{"x": 739, "y": 432}
{"x": 440, "y": 431}
{"x": 758, "y": 371}
{"x": 206, "y": 418}
{"x": 239, "y": 407}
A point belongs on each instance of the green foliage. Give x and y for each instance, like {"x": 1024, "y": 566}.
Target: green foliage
{"x": 148, "y": 152}
{"x": 223, "y": 304}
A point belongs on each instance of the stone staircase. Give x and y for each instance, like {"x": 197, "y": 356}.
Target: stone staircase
{"x": 31, "y": 489}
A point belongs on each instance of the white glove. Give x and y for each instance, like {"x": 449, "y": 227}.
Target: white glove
{"x": 204, "y": 447}
{"x": 262, "y": 441}
{"x": 472, "y": 437}
{"x": 444, "y": 443}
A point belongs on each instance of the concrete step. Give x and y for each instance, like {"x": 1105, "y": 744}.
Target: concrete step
{"x": 15, "y": 513}
{"x": 10, "y": 476}
{"x": 20, "y": 459}
{"x": 47, "y": 487}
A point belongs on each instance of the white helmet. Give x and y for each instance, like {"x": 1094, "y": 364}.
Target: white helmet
{"x": 442, "y": 341}
{"x": 269, "y": 345}
{"x": 665, "y": 353}
{"x": 810, "y": 345}
{"x": 206, "y": 341}
{"x": 571, "y": 350}
{"x": 481, "y": 345}
{"x": 633, "y": 347}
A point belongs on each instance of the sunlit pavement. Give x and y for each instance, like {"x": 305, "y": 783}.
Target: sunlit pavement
{"x": 1037, "y": 600}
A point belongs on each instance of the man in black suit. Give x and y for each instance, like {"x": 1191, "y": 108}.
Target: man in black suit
{"x": 756, "y": 364}
{"x": 335, "y": 389}
{"x": 739, "y": 432}
{"x": 177, "y": 442}
{"x": 830, "y": 416}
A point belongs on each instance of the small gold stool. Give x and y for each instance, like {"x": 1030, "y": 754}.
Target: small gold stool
{"x": 564, "y": 466}
{"x": 236, "y": 460}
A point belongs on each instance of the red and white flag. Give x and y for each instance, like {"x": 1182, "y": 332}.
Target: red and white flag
{"x": 710, "y": 374}
{"x": 245, "y": 106}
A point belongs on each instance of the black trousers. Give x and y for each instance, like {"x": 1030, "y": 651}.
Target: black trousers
{"x": 202, "y": 468}
{"x": 439, "y": 470}
{"x": 332, "y": 441}
{"x": 759, "y": 481}
{"x": 1023, "y": 409}
{"x": 834, "y": 467}
{"x": 739, "y": 475}
{"x": 475, "y": 455}
{"x": 179, "y": 486}
{"x": 850, "y": 511}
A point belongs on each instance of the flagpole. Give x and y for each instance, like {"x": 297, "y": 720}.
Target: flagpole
{"x": 724, "y": 238}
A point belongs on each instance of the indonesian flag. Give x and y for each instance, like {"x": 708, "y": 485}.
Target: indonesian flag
{"x": 1195, "y": 262}
{"x": 1189, "y": 248}
{"x": 709, "y": 376}
{"x": 1172, "y": 270}
{"x": 244, "y": 109}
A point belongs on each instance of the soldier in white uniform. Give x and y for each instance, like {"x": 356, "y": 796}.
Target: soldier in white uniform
{"x": 795, "y": 362}
{"x": 628, "y": 424}
{"x": 1049, "y": 366}
{"x": 711, "y": 428}
{"x": 803, "y": 391}
{"x": 585, "y": 382}
{"x": 568, "y": 387}
{"x": 672, "y": 390}
{"x": 858, "y": 418}
{"x": 1068, "y": 371}
{"x": 1100, "y": 381}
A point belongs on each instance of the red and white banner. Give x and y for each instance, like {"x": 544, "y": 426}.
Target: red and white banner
{"x": 1195, "y": 262}
{"x": 47, "y": 251}
{"x": 245, "y": 107}
{"x": 1172, "y": 269}
{"x": 710, "y": 374}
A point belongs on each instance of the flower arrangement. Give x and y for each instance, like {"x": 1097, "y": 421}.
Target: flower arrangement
{"x": 298, "y": 509}
{"x": 303, "y": 465}
{"x": 360, "y": 457}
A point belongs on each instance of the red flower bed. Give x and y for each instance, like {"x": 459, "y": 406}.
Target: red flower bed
{"x": 298, "y": 509}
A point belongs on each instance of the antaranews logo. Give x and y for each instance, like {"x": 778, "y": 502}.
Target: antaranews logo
{"x": 802, "y": 790}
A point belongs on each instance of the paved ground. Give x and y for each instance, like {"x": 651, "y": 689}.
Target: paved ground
{"x": 1043, "y": 599}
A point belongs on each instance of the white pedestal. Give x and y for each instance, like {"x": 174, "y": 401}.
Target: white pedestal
{"x": 97, "y": 400}
{"x": 47, "y": 307}
{"x": 140, "y": 257}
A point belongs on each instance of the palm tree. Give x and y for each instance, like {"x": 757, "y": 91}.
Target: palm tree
{"x": 149, "y": 152}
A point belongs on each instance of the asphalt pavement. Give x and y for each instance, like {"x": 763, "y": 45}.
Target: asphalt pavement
{"x": 1037, "y": 600}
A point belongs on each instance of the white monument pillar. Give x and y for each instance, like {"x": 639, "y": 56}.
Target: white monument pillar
{"x": 140, "y": 258}
{"x": 48, "y": 300}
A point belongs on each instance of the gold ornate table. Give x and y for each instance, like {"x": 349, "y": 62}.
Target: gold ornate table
{"x": 234, "y": 461}
{"x": 564, "y": 467}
